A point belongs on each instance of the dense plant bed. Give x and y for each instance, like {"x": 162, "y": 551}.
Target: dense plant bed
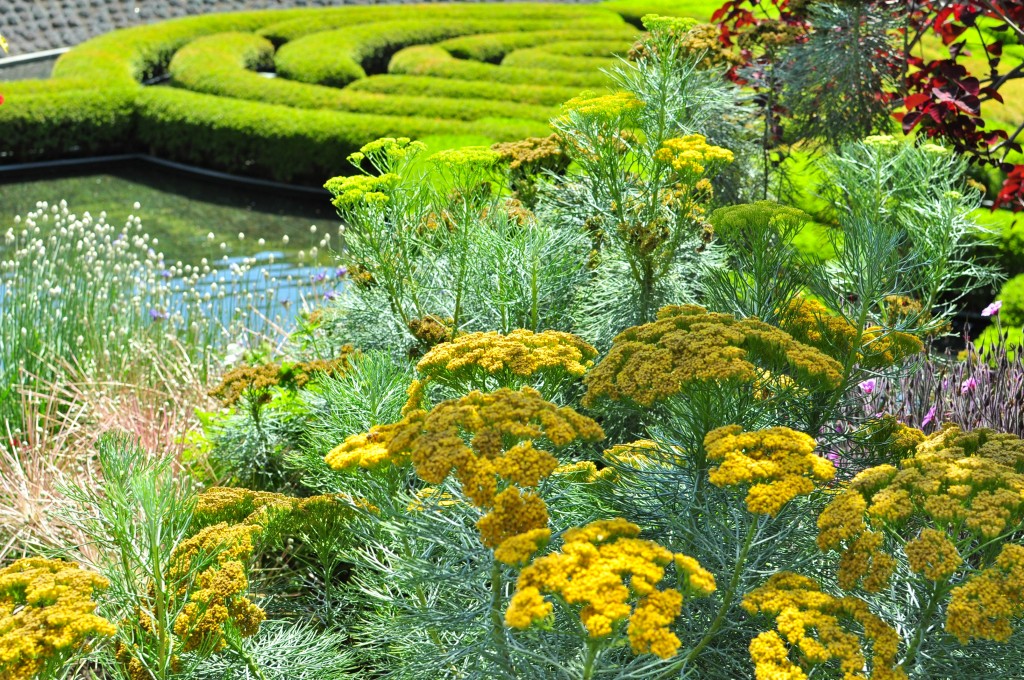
{"x": 294, "y": 127}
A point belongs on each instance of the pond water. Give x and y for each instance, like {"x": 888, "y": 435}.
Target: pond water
{"x": 285, "y": 237}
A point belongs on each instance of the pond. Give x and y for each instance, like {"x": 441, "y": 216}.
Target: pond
{"x": 285, "y": 236}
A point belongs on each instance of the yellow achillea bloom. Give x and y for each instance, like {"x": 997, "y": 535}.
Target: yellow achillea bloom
{"x": 521, "y": 353}
{"x": 351, "y": 191}
{"x": 517, "y": 550}
{"x": 692, "y": 154}
{"x": 984, "y": 606}
{"x": 515, "y": 512}
{"x": 603, "y": 106}
{"x": 687, "y": 344}
{"x": 813, "y": 624}
{"x": 604, "y": 568}
{"x": 234, "y": 505}
{"x": 636, "y": 454}
{"x": 969, "y": 480}
{"x": 466, "y": 157}
{"x": 584, "y": 471}
{"x": 46, "y": 614}
{"x": 812, "y": 323}
{"x": 218, "y": 595}
{"x": 778, "y": 463}
{"x": 366, "y": 450}
{"x": 933, "y": 555}
{"x": 432, "y": 496}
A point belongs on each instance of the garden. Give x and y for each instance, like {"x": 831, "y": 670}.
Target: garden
{"x": 636, "y": 339}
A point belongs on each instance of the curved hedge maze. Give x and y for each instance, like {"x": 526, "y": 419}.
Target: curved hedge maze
{"x": 287, "y": 94}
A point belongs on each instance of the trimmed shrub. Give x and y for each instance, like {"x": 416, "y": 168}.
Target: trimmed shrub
{"x": 280, "y": 142}
{"x": 220, "y": 113}
{"x": 65, "y": 124}
{"x": 430, "y": 60}
{"x": 220, "y": 65}
{"x": 430, "y": 86}
{"x": 537, "y": 59}
{"x": 493, "y": 46}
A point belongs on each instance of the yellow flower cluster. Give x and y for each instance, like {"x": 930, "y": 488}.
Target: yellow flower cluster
{"x": 234, "y": 505}
{"x": 814, "y": 625}
{"x": 778, "y": 463}
{"x": 256, "y": 382}
{"x": 218, "y": 595}
{"x": 961, "y": 482}
{"x": 692, "y": 154}
{"x": 984, "y": 606}
{"x": 687, "y": 344}
{"x": 432, "y": 497}
{"x": 432, "y": 330}
{"x": 812, "y": 323}
{"x": 500, "y": 429}
{"x": 367, "y": 450}
{"x": 521, "y": 353}
{"x": 351, "y": 191}
{"x": 604, "y": 568}
{"x": 638, "y": 454}
{"x": 467, "y": 157}
{"x": 933, "y": 555}
{"x": 584, "y": 471}
{"x": 612, "y": 107}
{"x": 46, "y": 614}
{"x": 532, "y": 154}
{"x": 516, "y": 550}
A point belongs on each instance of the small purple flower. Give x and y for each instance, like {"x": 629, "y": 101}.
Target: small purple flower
{"x": 341, "y": 272}
{"x": 868, "y": 386}
{"x": 928, "y": 417}
{"x": 993, "y": 309}
{"x": 166, "y": 273}
{"x": 331, "y": 295}
{"x": 319, "y": 276}
{"x": 968, "y": 385}
{"x": 157, "y": 315}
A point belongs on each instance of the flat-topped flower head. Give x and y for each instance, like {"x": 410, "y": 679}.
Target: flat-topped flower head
{"x": 962, "y": 488}
{"x": 519, "y": 355}
{"x": 777, "y": 464}
{"x": 819, "y": 629}
{"x": 988, "y": 603}
{"x": 609, "y": 107}
{"x": 47, "y": 614}
{"x": 687, "y": 345}
{"x": 369, "y": 190}
{"x": 692, "y": 155}
{"x": 467, "y": 157}
{"x": 812, "y": 323}
{"x": 611, "y": 577}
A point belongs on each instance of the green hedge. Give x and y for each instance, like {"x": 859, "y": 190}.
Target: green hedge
{"x": 338, "y": 57}
{"x": 430, "y": 60}
{"x": 430, "y": 86}
{"x": 76, "y": 122}
{"x": 281, "y": 142}
{"x": 493, "y": 46}
{"x": 219, "y": 65}
{"x": 537, "y": 59}
{"x": 219, "y": 113}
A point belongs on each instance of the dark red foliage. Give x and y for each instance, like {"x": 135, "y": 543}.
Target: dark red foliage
{"x": 941, "y": 97}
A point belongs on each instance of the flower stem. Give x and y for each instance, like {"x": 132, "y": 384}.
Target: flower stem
{"x": 588, "y": 665}
{"x": 936, "y": 594}
{"x": 498, "y": 621}
{"x": 730, "y": 595}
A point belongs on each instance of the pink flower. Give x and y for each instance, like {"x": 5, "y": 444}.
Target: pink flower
{"x": 868, "y": 386}
{"x": 992, "y": 309}
{"x": 968, "y": 385}
{"x": 928, "y": 417}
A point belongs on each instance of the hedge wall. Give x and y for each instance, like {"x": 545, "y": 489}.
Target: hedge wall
{"x": 344, "y": 76}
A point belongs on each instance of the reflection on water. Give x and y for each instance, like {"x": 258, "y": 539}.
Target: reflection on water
{"x": 212, "y": 238}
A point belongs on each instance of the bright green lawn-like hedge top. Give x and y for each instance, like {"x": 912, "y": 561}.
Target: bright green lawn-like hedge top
{"x": 288, "y": 94}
